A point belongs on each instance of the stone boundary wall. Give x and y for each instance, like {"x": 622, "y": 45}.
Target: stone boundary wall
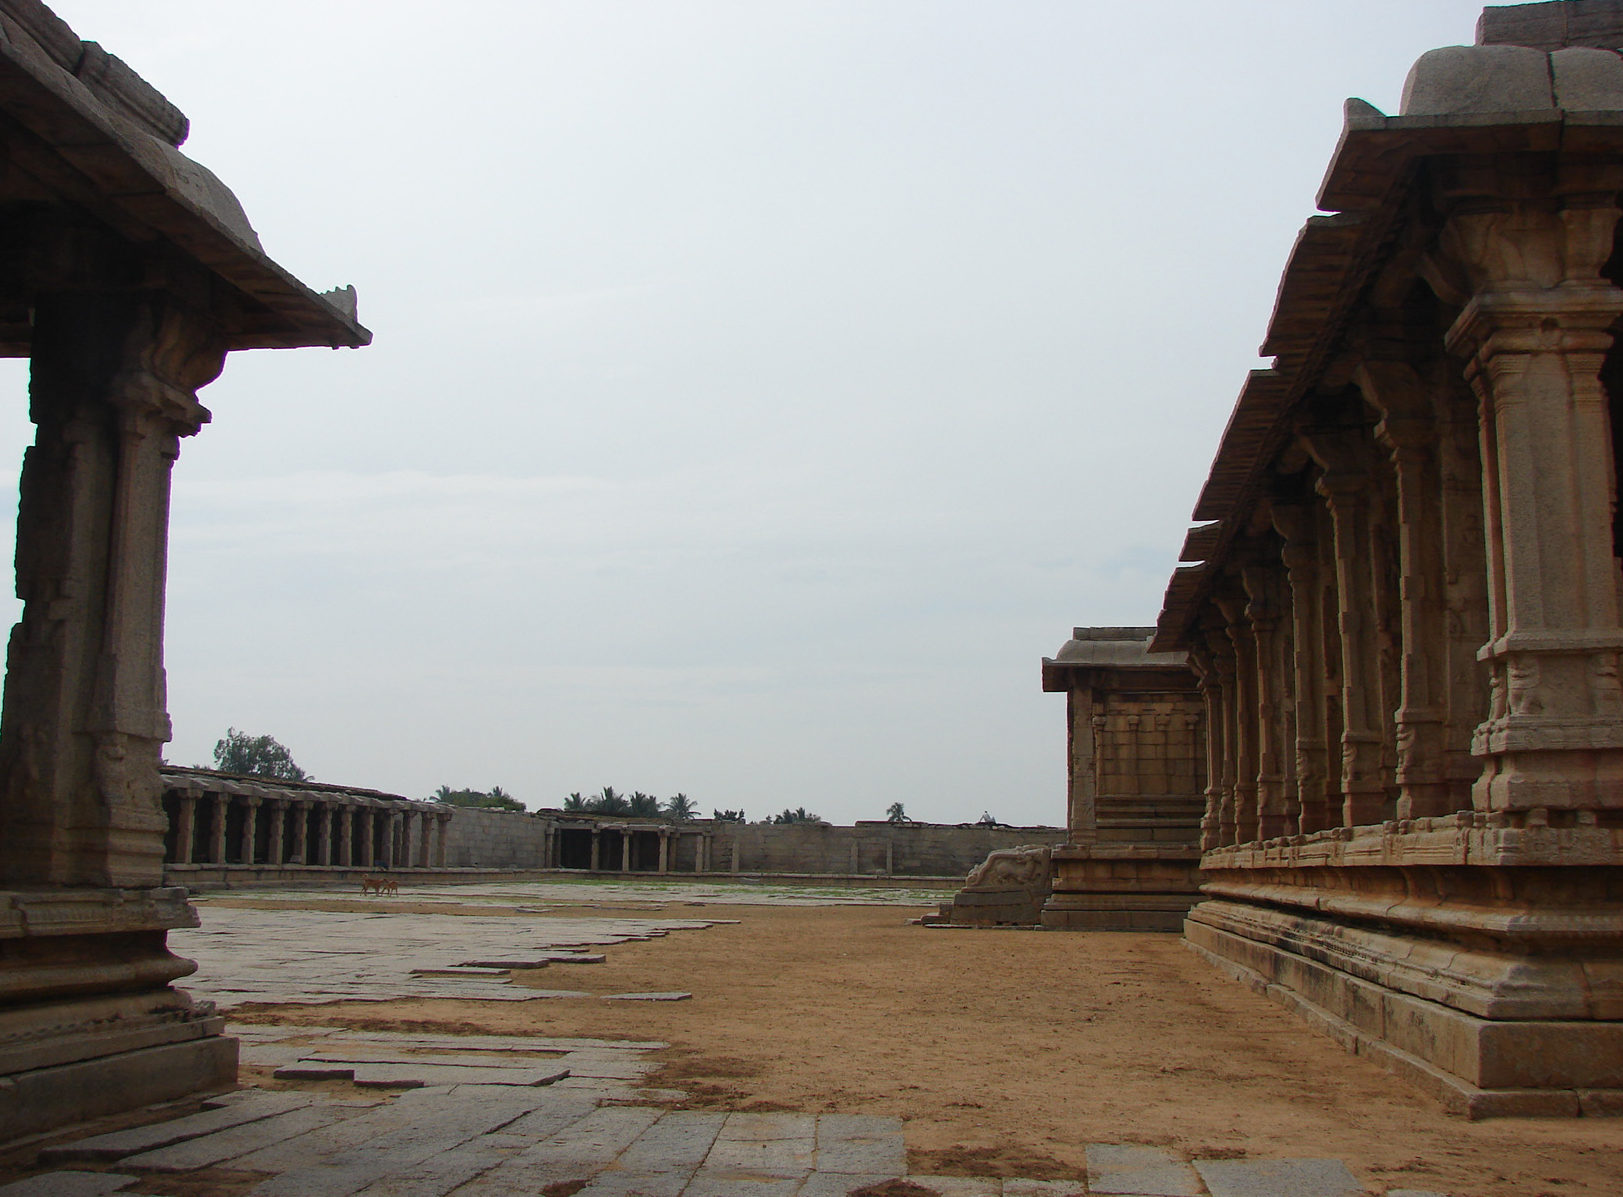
{"x": 869, "y": 848}
{"x": 494, "y": 839}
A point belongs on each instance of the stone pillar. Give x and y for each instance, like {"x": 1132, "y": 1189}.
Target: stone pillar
{"x": 346, "y": 836}
{"x": 443, "y": 818}
{"x": 301, "y": 834}
{"x": 1200, "y": 660}
{"x": 222, "y": 806}
{"x": 1274, "y": 710}
{"x": 185, "y": 827}
{"x": 597, "y": 849}
{"x": 1535, "y": 331}
{"x": 664, "y": 851}
{"x": 1222, "y": 728}
{"x": 1245, "y": 720}
{"x": 625, "y": 850}
{"x": 278, "y": 825}
{"x": 250, "y": 826}
{"x": 1294, "y": 522}
{"x": 366, "y": 832}
{"x": 325, "y": 812}
{"x": 1345, "y": 487}
{"x": 113, "y": 389}
{"x": 1409, "y": 435}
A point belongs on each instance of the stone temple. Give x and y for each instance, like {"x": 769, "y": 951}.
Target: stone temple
{"x": 1403, "y": 598}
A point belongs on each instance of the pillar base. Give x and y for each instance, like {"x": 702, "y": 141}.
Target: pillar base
{"x": 89, "y": 1023}
{"x": 44, "y": 1098}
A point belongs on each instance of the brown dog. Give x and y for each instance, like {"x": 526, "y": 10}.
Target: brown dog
{"x": 379, "y": 886}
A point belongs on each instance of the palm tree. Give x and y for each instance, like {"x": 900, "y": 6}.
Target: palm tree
{"x": 642, "y": 805}
{"x": 799, "y": 815}
{"x": 896, "y": 814}
{"x": 679, "y": 808}
{"x": 609, "y": 803}
{"x": 575, "y": 802}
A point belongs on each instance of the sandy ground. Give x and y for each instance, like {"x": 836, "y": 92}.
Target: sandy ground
{"x": 1008, "y": 1051}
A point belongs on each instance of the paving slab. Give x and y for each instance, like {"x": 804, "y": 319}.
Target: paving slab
{"x": 961, "y": 1186}
{"x": 263, "y": 1134}
{"x": 679, "y": 1140}
{"x": 441, "y": 1123}
{"x": 764, "y": 1157}
{"x": 1413, "y": 1193}
{"x": 67, "y": 1184}
{"x": 440, "y": 1174}
{"x": 885, "y": 1156}
{"x": 838, "y": 1184}
{"x": 1278, "y": 1178}
{"x": 856, "y": 1126}
{"x": 576, "y": 1152}
{"x": 670, "y": 996}
{"x": 1017, "y": 1187}
{"x": 709, "y": 1182}
{"x": 116, "y": 1145}
{"x": 1139, "y": 1172}
{"x": 619, "y": 1183}
{"x": 758, "y": 1127}
{"x": 386, "y": 1075}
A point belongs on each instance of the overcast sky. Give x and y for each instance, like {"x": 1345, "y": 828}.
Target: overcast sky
{"x": 760, "y": 389}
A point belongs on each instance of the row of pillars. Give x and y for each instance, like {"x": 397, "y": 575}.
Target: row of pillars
{"x": 667, "y": 847}
{"x": 250, "y": 830}
{"x": 1422, "y": 613}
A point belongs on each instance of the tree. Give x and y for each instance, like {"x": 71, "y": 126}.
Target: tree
{"x": 644, "y": 806}
{"x": 728, "y": 816}
{"x": 495, "y": 798}
{"x": 575, "y": 802}
{"x": 256, "y": 756}
{"x": 609, "y": 803}
{"x": 896, "y": 814}
{"x": 799, "y": 815}
{"x": 679, "y": 808}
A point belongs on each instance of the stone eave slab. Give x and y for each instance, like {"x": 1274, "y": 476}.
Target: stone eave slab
{"x": 1328, "y": 269}
{"x": 134, "y": 188}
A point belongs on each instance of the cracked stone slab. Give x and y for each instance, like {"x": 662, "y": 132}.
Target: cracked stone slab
{"x": 1271, "y": 1178}
{"x": 679, "y": 1140}
{"x": 67, "y": 1184}
{"x": 1135, "y": 1171}
{"x": 264, "y": 1134}
{"x": 118, "y": 1144}
{"x": 961, "y": 1186}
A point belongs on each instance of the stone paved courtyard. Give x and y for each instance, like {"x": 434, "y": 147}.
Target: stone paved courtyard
{"x": 338, "y": 1109}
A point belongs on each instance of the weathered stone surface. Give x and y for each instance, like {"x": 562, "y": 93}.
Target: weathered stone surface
{"x": 1139, "y": 1171}
{"x": 250, "y": 1106}
{"x": 67, "y": 1184}
{"x": 1269, "y": 1178}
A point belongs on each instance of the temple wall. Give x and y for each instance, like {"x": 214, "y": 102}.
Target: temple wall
{"x": 875, "y": 849}
{"x": 494, "y": 839}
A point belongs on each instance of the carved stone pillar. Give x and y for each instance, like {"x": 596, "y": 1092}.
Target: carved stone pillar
{"x": 250, "y": 828}
{"x": 1465, "y": 585}
{"x": 216, "y": 851}
{"x": 301, "y": 834}
{"x": 1345, "y": 487}
{"x": 325, "y": 814}
{"x": 1409, "y": 434}
{"x": 113, "y": 389}
{"x": 278, "y": 825}
{"x": 1211, "y": 694}
{"x": 1245, "y": 719}
{"x": 1223, "y": 727}
{"x": 1535, "y": 330}
{"x": 346, "y": 836}
{"x": 1276, "y": 814}
{"x": 1300, "y": 554}
{"x": 1081, "y": 815}
{"x": 185, "y": 828}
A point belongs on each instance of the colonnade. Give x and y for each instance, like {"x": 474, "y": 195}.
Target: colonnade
{"x": 1411, "y": 606}
{"x": 227, "y": 821}
{"x": 622, "y": 857}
